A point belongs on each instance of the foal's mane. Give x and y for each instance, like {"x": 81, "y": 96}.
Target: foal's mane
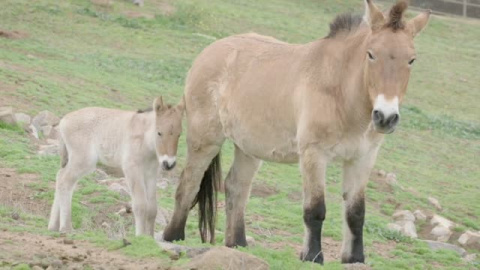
{"x": 346, "y": 22}
{"x": 149, "y": 109}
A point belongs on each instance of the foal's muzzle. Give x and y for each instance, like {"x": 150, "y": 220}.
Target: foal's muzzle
{"x": 168, "y": 166}
{"x": 385, "y": 123}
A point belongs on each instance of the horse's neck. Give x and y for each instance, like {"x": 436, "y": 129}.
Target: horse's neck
{"x": 355, "y": 104}
{"x": 149, "y": 135}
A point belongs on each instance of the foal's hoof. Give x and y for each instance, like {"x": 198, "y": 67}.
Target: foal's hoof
{"x": 316, "y": 257}
{"x": 358, "y": 258}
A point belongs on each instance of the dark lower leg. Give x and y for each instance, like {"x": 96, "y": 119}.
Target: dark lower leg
{"x": 313, "y": 216}
{"x": 355, "y": 217}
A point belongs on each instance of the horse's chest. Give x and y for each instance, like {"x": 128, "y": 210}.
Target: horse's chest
{"x": 349, "y": 149}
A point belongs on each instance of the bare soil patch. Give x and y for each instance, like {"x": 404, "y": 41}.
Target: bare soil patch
{"x": 263, "y": 190}
{"x": 136, "y": 14}
{"x": 166, "y": 8}
{"x": 13, "y": 34}
{"x": 61, "y": 253}
{"x": 16, "y": 193}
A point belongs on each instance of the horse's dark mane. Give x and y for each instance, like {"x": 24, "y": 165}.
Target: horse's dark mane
{"x": 395, "y": 20}
{"x": 344, "y": 22}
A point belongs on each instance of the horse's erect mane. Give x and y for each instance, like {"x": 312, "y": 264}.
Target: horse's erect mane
{"x": 344, "y": 22}
{"x": 149, "y": 109}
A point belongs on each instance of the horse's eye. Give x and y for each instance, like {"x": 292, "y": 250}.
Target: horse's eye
{"x": 370, "y": 55}
{"x": 159, "y": 134}
{"x": 411, "y": 62}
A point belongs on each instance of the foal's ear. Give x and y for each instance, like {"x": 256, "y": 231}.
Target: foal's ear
{"x": 181, "y": 105}
{"x": 373, "y": 16}
{"x": 417, "y": 24}
{"x": 158, "y": 105}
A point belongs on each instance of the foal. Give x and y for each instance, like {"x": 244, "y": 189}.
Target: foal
{"x": 137, "y": 142}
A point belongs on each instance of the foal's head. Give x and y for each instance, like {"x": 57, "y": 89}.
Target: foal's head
{"x": 390, "y": 56}
{"x": 168, "y": 127}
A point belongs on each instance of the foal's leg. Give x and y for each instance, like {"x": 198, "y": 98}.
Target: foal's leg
{"x": 151, "y": 186}
{"x": 138, "y": 189}
{"x": 355, "y": 174}
{"x": 237, "y": 189}
{"x": 198, "y": 160}
{"x": 313, "y": 167}
{"x": 67, "y": 178}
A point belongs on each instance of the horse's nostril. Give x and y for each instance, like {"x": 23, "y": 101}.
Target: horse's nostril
{"x": 377, "y": 116}
{"x": 165, "y": 164}
{"x": 393, "y": 120}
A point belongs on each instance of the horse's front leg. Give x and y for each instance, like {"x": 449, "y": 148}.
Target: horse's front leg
{"x": 313, "y": 167}
{"x": 135, "y": 180}
{"x": 151, "y": 211}
{"x": 355, "y": 173}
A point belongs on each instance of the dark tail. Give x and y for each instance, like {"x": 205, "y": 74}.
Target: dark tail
{"x": 207, "y": 200}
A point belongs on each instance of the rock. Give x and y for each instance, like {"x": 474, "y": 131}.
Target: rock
{"x": 470, "y": 239}
{"x": 23, "y": 119}
{"x": 36, "y": 267}
{"x": 48, "y": 150}
{"x": 117, "y": 187}
{"x": 15, "y": 216}
{"x": 409, "y": 229}
{"x": 176, "y": 250}
{"x": 226, "y": 258}
{"x": 435, "y": 203}
{"x": 403, "y": 215}
{"x": 45, "y": 118}
{"x": 394, "y": 227}
{"x": 6, "y": 115}
{"x": 68, "y": 241}
{"x": 419, "y": 215}
{"x": 391, "y": 179}
{"x": 163, "y": 217}
{"x": 470, "y": 258}
{"x": 441, "y": 233}
{"x": 34, "y": 131}
{"x": 439, "y": 220}
{"x": 381, "y": 173}
{"x": 99, "y": 175}
{"x": 106, "y": 226}
{"x": 121, "y": 211}
{"x": 434, "y": 245}
{"x": 250, "y": 241}
{"x": 138, "y": 3}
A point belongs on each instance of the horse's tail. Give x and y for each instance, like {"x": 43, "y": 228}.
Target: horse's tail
{"x": 63, "y": 153}
{"x": 207, "y": 200}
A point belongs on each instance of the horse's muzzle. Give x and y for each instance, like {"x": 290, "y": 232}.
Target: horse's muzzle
{"x": 385, "y": 124}
{"x": 168, "y": 166}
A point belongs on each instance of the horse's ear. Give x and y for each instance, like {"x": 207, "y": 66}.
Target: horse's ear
{"x": 417, "y": 24}
{"x": 158, "y": 105}
{"x": 373, "y": 16}
{"x": 181, "y": 105}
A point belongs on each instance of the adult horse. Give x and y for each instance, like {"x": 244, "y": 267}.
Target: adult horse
{"x": 332, "y": 98}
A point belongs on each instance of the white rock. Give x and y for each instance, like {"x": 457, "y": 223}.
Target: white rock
{"x": 409, "y": 229}
{"x": 46, "y": 130}
{"x": 469, "y": 239}
{"x": 391, "y": 179}
{"x": 394, "y": 227}
{"x": 470, "y": 258}
{"x": 23, "y": 119}
{"x": 403, "y": 215}
{"x": 439, "y": 220}
{"x": 250, "y": 240}
{"x": 34, "y": 131}
{"x": 99, "y": 174}
{"x": 6, "y": 115}
{"x": 419, "y": 215}
{"x": 434, "y": 245}
{"x": 163, "y": 217}
{"x": 435, "y": 203}
{"x": 48, "y": 150}
{"x": 117, "y": 187}
{"x": 381, "y": 173}
{"x": 45, "y": 118}
{"x": 441, "y": 233}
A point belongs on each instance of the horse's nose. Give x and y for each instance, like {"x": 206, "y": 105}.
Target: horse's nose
{"x": 167, "y": 166}
{"x": 380, "y": 120}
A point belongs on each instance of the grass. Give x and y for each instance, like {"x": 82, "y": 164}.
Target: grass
{"x": 85, "y": 55}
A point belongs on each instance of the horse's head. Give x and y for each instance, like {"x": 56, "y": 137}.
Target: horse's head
{"x": 168, "y": 128}
{"x": 390, "y": 56}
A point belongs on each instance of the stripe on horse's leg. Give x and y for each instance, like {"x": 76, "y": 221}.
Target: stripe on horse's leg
{"x": 189, "y": 185}
{"x": 237, "y": 189}
{"x": 313, "y": 166}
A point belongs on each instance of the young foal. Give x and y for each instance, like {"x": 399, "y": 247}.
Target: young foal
{"x": 137, "y": 142}
{"x": 333, "y": 98}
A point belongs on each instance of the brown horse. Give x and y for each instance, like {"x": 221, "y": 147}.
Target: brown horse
{"x": 333, "y": 98}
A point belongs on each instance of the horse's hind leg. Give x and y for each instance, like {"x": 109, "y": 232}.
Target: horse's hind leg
{"x": 237, "y": 189}
{"x": 355, "y": 174}
{"x": 198, "y": 161}
{"x": 66, "y": 180}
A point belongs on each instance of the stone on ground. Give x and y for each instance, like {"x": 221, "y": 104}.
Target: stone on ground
{"x": 403, "y": 215}
{"x": 23, "y": 119}
{"x": 440, "y": 233}
{"x": 435, "y": 203}
{"x": 470, "y": 239}
{"x": 226, "y": 258}
{"x": 7, "y": 115}
{"x": 435, "y": 245}
{"x": 439, "y": 220}
{"x": 419, "y": 215}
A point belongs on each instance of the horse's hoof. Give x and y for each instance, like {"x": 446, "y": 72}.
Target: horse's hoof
{"x": 316, "y": 257}
{"x": 360, "y": 258}
{"x": 173, "y": 236}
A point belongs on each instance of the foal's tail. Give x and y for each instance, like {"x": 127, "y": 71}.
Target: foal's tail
{"x": 207, "y": 200}
{"x": 63, "y": 153}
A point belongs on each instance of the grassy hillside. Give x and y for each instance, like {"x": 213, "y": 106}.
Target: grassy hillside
{"x": 79, "y": 54}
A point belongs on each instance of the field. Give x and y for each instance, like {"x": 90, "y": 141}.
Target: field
{"x": 72, "y": 54}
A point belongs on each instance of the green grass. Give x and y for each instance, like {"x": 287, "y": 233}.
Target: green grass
{"x": 78, "y": 55}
